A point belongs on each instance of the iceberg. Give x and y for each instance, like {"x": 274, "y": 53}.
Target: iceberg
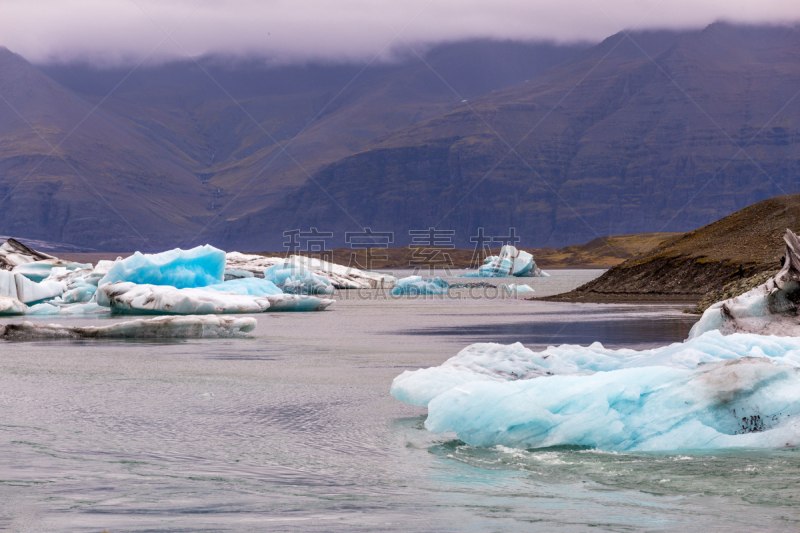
{"x": 769, "y": 309}
{"x": 415, "y": 286}
{"x": 293, "y": 278}
{"x": 128, "y": 297}
{"x": 341, "y": 277}
{"x": 745, "y": 403}
{"x": 510, "y": 262}
{"x": 11, "y": 306}
{"x": 198, "y": 267}
{"x": 154, "y": 328}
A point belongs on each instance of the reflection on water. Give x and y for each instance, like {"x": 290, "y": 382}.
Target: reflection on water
{"x": 294, "y": 430}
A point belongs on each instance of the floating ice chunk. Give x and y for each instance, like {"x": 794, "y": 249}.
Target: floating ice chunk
{"x": 341, "y": 277}
{"x": 518, "y": 289}
{"x": 161, "y": 299}
{"x": 11, "y": 306}
{"x": 153, "y": 328}
{"x": 769, "y": 309}
{"x": 510, "y": 262}
{"x": 415, "y": 286}
{"x": 198, "y": 267}
{"x": 741, "y": 403}
{"x": 498, "y": 362}
{"x": 294, "y": 278}
{"x": 246, "y": 287}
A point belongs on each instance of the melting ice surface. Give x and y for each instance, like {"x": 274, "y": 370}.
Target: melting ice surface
{"x": 713, "y": 391}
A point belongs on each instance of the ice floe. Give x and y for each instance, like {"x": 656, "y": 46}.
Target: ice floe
{"x": 510, "y": 262}
{"x": 709, "y": 392}
{"x": 341, "y": 277}
{"x": 130, "y": 297}
{"x": 769, "y": 309}
{"x": 182, "y": 327}
{"x": 415, "y": 286}
{"x": 500, "y": 362}
{"x": 750, "y": 403}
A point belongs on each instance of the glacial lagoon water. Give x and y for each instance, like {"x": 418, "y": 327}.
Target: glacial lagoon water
{"x": 295, "y": 430}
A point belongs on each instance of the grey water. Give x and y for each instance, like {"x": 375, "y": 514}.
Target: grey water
{"x": 295, "y": 430}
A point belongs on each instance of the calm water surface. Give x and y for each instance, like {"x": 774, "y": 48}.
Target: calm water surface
{"x": 295, "y": 430}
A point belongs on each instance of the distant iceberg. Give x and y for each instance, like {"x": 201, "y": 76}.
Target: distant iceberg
{"x": 182, "y": 327}
{"x": 294, "y": 278}
{"x": 769, "y": 309}
{"x": 510, "y": 262}
{"x": 340, "y": 277}
{"x": 415, "y": 286}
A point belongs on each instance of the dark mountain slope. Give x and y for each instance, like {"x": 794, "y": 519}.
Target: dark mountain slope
{"x": 610, "y": 143}
{"x": 104, "y": 185}
{"x": 231, "y": 149}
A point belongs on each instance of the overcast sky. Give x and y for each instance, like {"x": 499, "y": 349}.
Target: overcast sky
{"x": 129, "y": 30}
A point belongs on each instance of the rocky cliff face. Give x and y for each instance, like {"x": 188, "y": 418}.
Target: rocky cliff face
{"x": 718, "y": 258}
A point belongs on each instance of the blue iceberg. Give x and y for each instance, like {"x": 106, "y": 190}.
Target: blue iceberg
{"x": 293, "y": 278}
{"x": 198, "y": 267}
{"x": 416, "y": 286}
